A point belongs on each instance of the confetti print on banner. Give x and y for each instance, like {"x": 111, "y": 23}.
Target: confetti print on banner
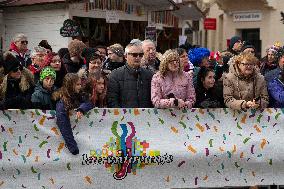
{"x": 200, "y": 127}
{"x": 191, "y": 149}
{"x": 175, "y": 130}
{"x": 116, "y": 112}
{"x": 1, "y": 155}
{"x": 42, "y": 120}
{"x": 88, "y": 179}
{"x": 244, "y": 118}
{"x": 54, "y": 129}
{"x": 60, "y": 147}
{"x": 136, "y": 112}
{"x": 257, "y": 128}
{"x": 29, "y": 153}
{"x": 263, "y": 143}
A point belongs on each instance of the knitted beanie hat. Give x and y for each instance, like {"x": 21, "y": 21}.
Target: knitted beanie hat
{"x": 47, "y": 71}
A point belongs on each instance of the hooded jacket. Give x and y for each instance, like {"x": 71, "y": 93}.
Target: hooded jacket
{"x": 41, "y": 98}
{"x": 16, "y": 94}
{"x": 24, "y": 58}
{"x": 239, "y": 89}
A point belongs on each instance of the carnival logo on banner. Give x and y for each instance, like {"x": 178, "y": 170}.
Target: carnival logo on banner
{"x": 125, "y": 153}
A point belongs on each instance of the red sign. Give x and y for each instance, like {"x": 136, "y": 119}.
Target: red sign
{"x": 210, "y": 23}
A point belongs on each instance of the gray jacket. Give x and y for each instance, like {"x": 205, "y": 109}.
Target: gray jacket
{"x": 129, "y": 88}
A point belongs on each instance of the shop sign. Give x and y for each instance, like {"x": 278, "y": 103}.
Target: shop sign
{"x": 210, "y": 24}
{"x": 151, "y": 33}
{"x": 247, "y": 16}
{"x": 112, "y": 17}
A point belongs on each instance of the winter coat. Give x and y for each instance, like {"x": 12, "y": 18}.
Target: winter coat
{"x": 269, "y": 76}
{"x": 16, "y": 94}
{"x": 24, "y": 58}
{"x": 276, "y": 92}
{"x": 238, "y": 89}
{"x": 63, "y": 122}
{"x": 41, "y": 98}
{"x": 129, "y": 88}
{"x": 211, "y": 98}
{"x": 108, "y": 65}
{"x": 70, "y": 66}
{"x": 179, "y": 84}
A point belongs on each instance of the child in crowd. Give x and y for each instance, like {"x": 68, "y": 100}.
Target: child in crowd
{"x": 69, "y": 98}
{"x": 41, "y": 98}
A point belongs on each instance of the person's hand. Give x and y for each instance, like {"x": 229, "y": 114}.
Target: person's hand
{"x": 252, "y": 104}
{"x": 79, "y": 115}
{"x": 181, "y": 104}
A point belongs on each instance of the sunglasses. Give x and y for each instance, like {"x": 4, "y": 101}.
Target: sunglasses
{"x": 17, "y": 69}
{"x": 136, "y": 54}
{"x": 24, "y": 42}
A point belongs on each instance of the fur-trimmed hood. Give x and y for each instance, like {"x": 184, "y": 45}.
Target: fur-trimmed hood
{"x": 26, "y": 82}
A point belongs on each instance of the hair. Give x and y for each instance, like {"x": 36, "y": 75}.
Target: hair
{"x": 90, "y": 89}
{"x": 75, "y": 47}
{"x": 147, "y": 41}
{"x": 167, "y": 57}
{"x": 279, "y": 54}
{"x": 134, "y": 42}
{"x": 19, "y": 36}
{"x": 180, "y": 51}
{"x": 101, "y": 47}
{"x": 67, "y": 91}
{"x": 45, "y": 45}
{"x": 38, "y": 49}
{"x": 245, "y": 56}
{"x": 203, "y": 72}
{"x": 62, "y": 52}
{"x": 196, "y": 55}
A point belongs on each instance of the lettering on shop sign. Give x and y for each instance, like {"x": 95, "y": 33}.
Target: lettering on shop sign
{"x": 70, "y": 29}
{"x": 247, "y": 16}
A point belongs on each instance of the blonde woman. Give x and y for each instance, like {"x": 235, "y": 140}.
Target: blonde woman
{"x": 171, "y": 87}
{"x": 244, "y": 87}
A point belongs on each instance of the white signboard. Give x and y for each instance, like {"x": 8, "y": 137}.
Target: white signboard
{"x": 247, "y": 16}
{"x": 112, "y": 17}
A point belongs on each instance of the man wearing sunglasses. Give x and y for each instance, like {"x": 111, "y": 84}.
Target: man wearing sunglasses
{"x": 130, "y": 85}
{"x": 19, "y": 48}
{"x": 17, "y": 85}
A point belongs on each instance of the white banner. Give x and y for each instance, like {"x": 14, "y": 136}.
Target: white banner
{"x": 143, "y": 148}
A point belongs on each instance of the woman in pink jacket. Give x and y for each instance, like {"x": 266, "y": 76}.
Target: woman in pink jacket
{"x": 171, "y": 86}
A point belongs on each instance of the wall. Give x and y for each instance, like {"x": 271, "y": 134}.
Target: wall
{"x": 37, "y": 22}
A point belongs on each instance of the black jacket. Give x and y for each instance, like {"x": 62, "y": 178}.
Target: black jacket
{"x": 41, "y": 98}
{"x": 212, "y": 98}
{"x": 129, "y": 88}
{"x": 70, "y": 66}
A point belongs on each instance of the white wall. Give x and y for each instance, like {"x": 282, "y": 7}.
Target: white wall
{"x": 37, "y": 22}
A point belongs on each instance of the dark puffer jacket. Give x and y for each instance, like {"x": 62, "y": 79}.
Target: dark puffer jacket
{"x": 129, "y": 88}
{"x": 41, "y": 98}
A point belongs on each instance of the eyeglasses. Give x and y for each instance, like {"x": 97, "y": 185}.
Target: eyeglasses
{"x": 248, "y": 65}
{"x": 136, "y": 54}
{"x": 24, "y": 42}
{"x": 174, "y": 62}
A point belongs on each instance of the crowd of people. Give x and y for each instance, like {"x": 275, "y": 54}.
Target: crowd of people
{"x": 80, "y": 78}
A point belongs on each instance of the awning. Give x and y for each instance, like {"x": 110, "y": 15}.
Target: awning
{"x": 156, "y": 5}
{"x": 242, "y": 5}
{"x": 188, "y": 11}
{"x": 9, "y": 3}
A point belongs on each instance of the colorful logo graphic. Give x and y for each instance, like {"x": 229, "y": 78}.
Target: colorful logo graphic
{"x": 125, "y": 153}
